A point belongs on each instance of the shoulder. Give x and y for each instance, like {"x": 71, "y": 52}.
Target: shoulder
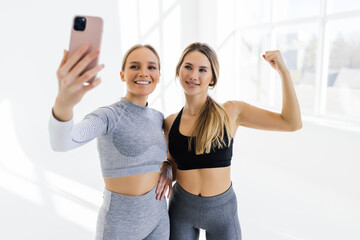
{"x": 168, "y": 122}
{"x": 234, "y": 108}
{"x": 157, "y": 114}
{"x": 106, "y": 111}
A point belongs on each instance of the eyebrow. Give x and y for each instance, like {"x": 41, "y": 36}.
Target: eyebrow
{"x": 136, "y": 62}
{"x": 192, "y": 65}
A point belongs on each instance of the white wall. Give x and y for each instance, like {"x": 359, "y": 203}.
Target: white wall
{"x": 48, "y": 195}
{"x": 299, "y": 185}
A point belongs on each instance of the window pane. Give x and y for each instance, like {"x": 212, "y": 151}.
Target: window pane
{"x": 253, "y": 12}
{"x": 226, "y": 87}
{"x": 167, "y": 4}
{"x": 148, "y": 13}
{"x": 343, "y": 92}
{"x": 291, "y": 9}
{"x": 253, "y": 72}
{"x": 298, "y": 45}
{"x": 335, "y": 6}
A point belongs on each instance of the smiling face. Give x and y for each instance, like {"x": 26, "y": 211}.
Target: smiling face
{"x": 195, "y": 73}
{"x": 141, "y": 72}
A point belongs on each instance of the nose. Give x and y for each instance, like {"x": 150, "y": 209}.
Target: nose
{"x": 143, "y": 73}
{"x": 194, "y": 75}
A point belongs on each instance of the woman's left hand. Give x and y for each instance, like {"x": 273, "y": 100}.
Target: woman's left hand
{"x": 275, "y": 59}
{"x": 165, "y": 181}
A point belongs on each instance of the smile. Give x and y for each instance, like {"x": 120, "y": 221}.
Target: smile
{"x": 192, "y": 85}
{"x": 142, "y": 82}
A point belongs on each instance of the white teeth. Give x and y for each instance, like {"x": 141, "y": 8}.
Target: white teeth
{"x": 191, "y": 84}
{"x": 142, "y": 82}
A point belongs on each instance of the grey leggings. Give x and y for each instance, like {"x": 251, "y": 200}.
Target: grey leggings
{"x": 216, "y": 215}
{"x": 132, "y": 217}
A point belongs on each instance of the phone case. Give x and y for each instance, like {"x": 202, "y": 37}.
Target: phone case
{"x": 91, "y": 34}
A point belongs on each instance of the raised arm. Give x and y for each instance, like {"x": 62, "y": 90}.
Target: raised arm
{"x": 289, "y": 119}
{"x": 62, "y": 132}
{"x": 72, "y": 81}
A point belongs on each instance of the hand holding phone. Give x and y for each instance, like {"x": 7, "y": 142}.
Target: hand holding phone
{"x": 79, "y": 66}
{"x": 86, "y": 29}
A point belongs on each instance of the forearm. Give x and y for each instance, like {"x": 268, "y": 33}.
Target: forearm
{"x": 290, "y": 106}
{"x": 64, "y": 135}
{"x": 62, "y": 111}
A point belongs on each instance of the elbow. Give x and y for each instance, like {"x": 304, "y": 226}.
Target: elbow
{"x": 295, "y": 127}
{"x": 56, "y": 148}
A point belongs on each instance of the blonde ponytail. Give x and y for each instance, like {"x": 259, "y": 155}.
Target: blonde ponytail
{"x": 211, "y": 128}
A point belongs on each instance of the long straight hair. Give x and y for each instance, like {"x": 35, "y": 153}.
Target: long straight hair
{"x": 212, "y": 127}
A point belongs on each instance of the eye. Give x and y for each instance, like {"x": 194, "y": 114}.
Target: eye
{"x": 202, "y": 70}
{"x": 152, "y": 67}
{"x": 134, "y": 67}
{"x": 188, "y": 67}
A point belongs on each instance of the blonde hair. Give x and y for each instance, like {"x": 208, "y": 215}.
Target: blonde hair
{"x": 213, "y": 123}
{"x": 137, "y": 46}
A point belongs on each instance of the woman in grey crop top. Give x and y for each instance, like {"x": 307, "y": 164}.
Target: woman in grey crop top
{"x": 130, "y": 138}
{"x": 200, "y": 142}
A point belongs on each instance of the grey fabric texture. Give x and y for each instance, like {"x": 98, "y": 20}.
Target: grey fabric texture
{"x": 130, "y": 138}
{"x": 216, "y": 215}
{"x": 132, "y": 217}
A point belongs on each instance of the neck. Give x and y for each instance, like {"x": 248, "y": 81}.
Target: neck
{"x": 138, "y": 100}
{"x": 194, "y": 104}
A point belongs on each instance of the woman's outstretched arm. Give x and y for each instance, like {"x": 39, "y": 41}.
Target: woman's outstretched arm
{"x": 250, "y": 116}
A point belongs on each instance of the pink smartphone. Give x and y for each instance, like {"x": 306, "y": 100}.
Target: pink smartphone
{"x": 86, "y": 29}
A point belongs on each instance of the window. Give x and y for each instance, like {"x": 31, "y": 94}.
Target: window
{"x": 319, "y": 41}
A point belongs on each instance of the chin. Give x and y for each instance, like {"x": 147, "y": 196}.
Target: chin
{"x": 144, "y": 93}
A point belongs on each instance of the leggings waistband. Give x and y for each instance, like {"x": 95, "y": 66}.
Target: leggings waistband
{"x": 200, "y": 201}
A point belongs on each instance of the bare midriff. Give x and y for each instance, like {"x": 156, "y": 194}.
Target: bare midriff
{"x": 206, "y": 182}
{"x": 134, "y": 185}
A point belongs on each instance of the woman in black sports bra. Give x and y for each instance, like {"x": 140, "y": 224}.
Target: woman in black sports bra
{"x": 200, "y": 141}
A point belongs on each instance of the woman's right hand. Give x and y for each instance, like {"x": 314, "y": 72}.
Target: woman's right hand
{"x": 165, "y": 181}
{"x": 72, "y": 83}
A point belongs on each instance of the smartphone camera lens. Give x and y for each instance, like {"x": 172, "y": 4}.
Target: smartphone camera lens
{"x": 79, "y": 23}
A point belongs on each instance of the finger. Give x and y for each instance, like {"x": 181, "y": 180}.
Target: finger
{"x": 157, "y": 196}
{"x": 86, "y": 76}
{"x": 92, "y": 85}
{"x": 170, "y": 191}
{"x": 74, "y": 59}
{"x": 163, "y": 193}
{"x": 83, "y": 63}
{"x": 159, "y": 187}
{"x": 270, "y": 58}
{"x": 64, "y": 58}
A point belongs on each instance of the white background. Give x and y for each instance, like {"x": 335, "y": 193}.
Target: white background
{"x": 301, "y": 185}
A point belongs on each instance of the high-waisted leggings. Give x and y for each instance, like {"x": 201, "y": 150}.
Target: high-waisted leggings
{"x": 132, "y": 217}
{"x": 216, "y": 215}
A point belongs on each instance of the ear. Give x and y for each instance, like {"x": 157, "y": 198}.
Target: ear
{"x": 122, "y": 76}
{"x": 159, "y": 78}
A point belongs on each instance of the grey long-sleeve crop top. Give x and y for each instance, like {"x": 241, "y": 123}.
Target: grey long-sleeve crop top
{"x": 130, "y": 138}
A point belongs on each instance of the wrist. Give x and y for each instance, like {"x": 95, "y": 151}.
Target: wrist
{"x": 167, "y": 162}
{"x": 167, "y": 169}
{"x": 284, "y": 72}
{"x": 61, "y": 111}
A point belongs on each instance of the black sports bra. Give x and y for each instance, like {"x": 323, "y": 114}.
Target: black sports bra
{"x": 186, "y": 160}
